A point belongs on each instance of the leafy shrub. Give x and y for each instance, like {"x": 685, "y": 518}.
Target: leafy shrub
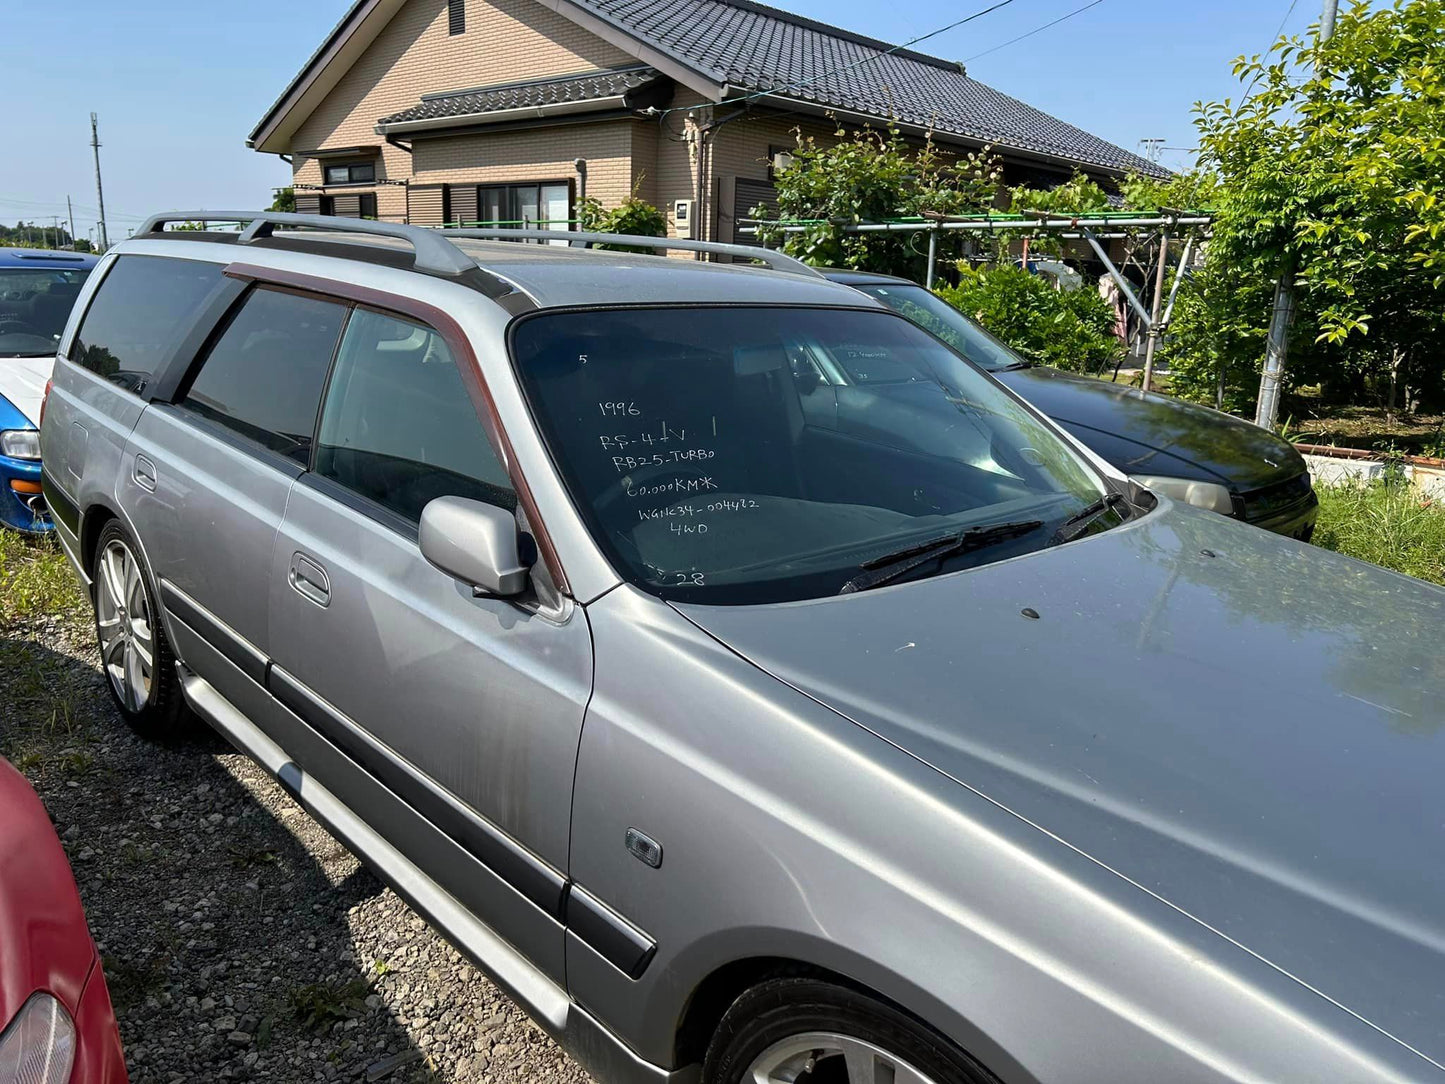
{"x": 1072, "y": 330}
{"x": 633, "y": 216}
{"x": 873, "y": 176}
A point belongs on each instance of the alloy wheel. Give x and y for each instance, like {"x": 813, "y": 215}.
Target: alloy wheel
{"x": 830, "y": 1058}
{"x": 125, "y": 625}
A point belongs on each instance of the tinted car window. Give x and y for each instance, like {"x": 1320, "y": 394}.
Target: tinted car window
{"x": 265, "y": 374}
{"x": 935, "y": 315}
{"x": 140, "y": 312}
{"x": 398, "y": 426}
{"x": 745, "y": 455}
{"x": 35, "y": 303}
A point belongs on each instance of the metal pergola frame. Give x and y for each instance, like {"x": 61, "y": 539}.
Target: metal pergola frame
{"x": 1093, "y": 227}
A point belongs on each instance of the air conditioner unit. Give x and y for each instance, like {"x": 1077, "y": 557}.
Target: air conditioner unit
{"x": 782, "y": 160}
{"x": 682, "y": 217}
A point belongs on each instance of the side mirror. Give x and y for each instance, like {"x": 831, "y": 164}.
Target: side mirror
{"x": 475, "y": 542}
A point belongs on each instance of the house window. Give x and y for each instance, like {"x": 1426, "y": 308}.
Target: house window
{"x": 362, "y": 205}
{"x": 354, "y": 173}
{"x": 456, "y": 16}
{"x": 525, "y": 206}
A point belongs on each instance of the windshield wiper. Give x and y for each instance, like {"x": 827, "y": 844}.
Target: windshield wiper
{"x": 880, "y": 570}
{"x": 1013, "y": 366}
{"x": 1079, "y": 522}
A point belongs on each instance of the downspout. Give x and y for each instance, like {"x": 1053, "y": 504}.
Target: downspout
{"x": 704, "y": 171}
{"x": 580, "y": 165}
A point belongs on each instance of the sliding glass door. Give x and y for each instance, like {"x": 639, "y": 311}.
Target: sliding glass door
{"x": 525, "y": 206}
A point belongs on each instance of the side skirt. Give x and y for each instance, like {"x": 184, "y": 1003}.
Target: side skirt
{"x": 594, "y": 1047}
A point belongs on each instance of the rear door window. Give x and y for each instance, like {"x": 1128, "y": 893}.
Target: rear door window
{"x": 142, "y": 309}
{"x": 264, "y": 376}
{"x": 398, "y": 427}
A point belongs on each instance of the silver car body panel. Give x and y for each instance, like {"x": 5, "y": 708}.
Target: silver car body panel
{"x": 599, "y": 1051}
{"x": 730, "y": 772}
{"x": 1201, "y": 870}
{"x": 1201, "y": 730}
{"x": 209, "y": 512}
{"x": 478, "y": 695}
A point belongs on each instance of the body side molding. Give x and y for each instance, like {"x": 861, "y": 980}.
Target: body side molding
{"x": 596, "y": 1048}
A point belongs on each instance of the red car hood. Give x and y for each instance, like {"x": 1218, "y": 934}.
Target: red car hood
{"x": 44, "y": 941}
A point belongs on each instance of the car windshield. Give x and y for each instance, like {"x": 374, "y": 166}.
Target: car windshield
{"x": 762, "y": 454}
{"x": 35, "y": 303}
{"x": 938, "y": 317}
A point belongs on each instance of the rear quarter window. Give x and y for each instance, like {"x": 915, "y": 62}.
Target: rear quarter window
{"x": 143, "y": 308}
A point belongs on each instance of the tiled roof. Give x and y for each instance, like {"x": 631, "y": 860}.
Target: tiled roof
{"x": 753, "y": 47}
{"x": 587, "y": 86}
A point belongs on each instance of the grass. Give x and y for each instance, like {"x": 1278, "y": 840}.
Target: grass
{"x": 1387, "y": 524}
{"x": 35, "y": 581}
{"x": 318, "y": 1005}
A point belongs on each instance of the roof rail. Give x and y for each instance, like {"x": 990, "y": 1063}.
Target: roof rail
{"x": 777, "y": 261}
{"x": 433, "y": 252}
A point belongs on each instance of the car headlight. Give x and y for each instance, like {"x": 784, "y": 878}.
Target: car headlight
{"x": 20, "y": 443}
{"x": 1206, "y": 495}
{"x": 39, "y": 1045}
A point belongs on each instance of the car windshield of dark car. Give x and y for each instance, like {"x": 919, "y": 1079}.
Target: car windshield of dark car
{"x": 35, "y": 303}
{"x": 760, "y": 454}
{"x": 938, "y": 317}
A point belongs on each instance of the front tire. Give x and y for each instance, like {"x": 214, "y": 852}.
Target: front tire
{"x": 811, "y": 1032}
{"x": 135, "y": 656}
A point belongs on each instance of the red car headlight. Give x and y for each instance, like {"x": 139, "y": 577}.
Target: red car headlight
{"x": 39, "y": 1045}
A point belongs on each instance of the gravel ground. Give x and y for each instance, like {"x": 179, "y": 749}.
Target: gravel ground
{"x": 240, "y": 941}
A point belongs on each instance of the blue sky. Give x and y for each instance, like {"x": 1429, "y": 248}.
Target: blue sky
{"x": 179, "y": 84}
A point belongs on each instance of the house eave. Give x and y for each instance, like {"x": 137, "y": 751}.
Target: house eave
{"x": 356, "y": 30}
{"x": 498, "y": 116}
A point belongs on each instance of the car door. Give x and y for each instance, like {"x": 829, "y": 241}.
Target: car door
{"x": 468, "y": 710}
{"x": 206, "y": 475}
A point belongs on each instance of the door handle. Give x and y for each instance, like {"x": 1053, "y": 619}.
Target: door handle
{"x": 309, "y": 580}
{"x": 144, "y": 473}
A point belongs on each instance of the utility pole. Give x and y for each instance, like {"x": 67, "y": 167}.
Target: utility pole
{"x": 56, "y": 219}
{"x": 1276, "y": 350}
{"x": 99, "y": 191}
{"x": 70, "y": 214}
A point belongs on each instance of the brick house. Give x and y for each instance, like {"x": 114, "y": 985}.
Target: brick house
{"x": 433, "y": 111}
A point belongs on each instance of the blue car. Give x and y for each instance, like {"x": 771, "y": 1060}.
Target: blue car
{"x": 38, "y": 288}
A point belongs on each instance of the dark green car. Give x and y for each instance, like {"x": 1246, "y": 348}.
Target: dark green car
{"x": 1185, "y": 451}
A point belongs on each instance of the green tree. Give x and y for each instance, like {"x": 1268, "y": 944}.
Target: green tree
{"x": 1075, "y": 196}
{"x": 1332, "y": 167}
{"x": 873, "y": 176}
{"x": 1191, "y": 190}
{"x": 284, "y": 200}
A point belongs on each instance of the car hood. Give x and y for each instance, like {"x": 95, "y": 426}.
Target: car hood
{"x": 22, "y": 381}
{"x": 1164, "y": 432}
{"x": 1256, "y": 736}
{"x": 42, "y": 927}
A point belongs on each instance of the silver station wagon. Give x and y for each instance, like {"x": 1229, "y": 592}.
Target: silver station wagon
{"x": 755, "y": 689}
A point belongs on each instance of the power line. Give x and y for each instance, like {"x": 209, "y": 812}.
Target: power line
{"x": 86, "y": 208}
{"x": 1035, "y": 30}
{"x": 851, "y": 65}
{"x": 1282, "y": 23}
{"x": 1249, "y": 90}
